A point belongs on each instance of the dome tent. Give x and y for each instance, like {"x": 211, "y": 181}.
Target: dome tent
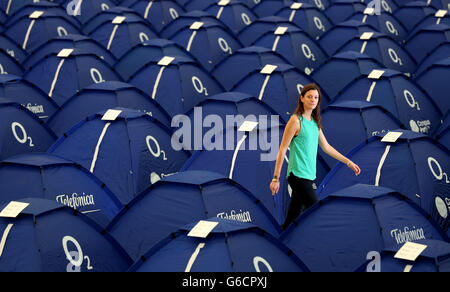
{"x": 185, "y": 197}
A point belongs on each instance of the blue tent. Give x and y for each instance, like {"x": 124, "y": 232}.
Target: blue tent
{"x": 236, "y": 15}
{"x": 28, "y": 95}
{"x": 186, "y": 20}
{"x": 309, "y": 18}
{"x": 128, "y": 154}
{"x": 296, "y": 46}
{"x": 230, "y": 247}
{"x": 341, "y": 10}
{"x": 49, "y": 237}
{"x": 183, "y": 198}
{"x": 435, "y": 258}
{"x": 103, "y": 96}
{"x": 11, "y": 7}
{"x": 443, "y": 134}
{"x": 9, "y": 65}
{"x": 384, "y": 23}
{"x": 178, "y": 86}
{"x": 434, "y": 80}
{"x": 398, "y": 95}
{"x": 33, "y": 30}
{"x": 363, "y": 120}
{"x": 410, "y": 166}
{"x": 413, "y": 13}
{"x": 80, "y": 42}
{"x": 62, "y": 77}
{"x": 339, "y": 34}
{"x": 53, "y": 178}
{"x": 249, "y": 159}
{"x": 242, "y": 62}
{"x": 197, "y": 5}
{"x": 441, "y": 52}
{"x": 22, "y": 131}
{"x": 440, "y": 205}
{"x": 280, "y": 89}
{"x": 152, "y": 50}
{"x": 108, "y": 16}
{"x": 87, "y": 10}
{"x": 383, "y": 49}
{"x": 347, "y": 66}
{"x": 159, "y": 13}
{"x": 424, "y": 41}
{"x": 210, "y": 43}
{"x": 119, "y": 36}
{"x": 13, "y": 49}
{"x": 338, "y": 233}
{"x": 251, "y": 33}
{"x": 269, "y": 7}
{"x": 43, "y": 6}
{"x": 431, "y": 20}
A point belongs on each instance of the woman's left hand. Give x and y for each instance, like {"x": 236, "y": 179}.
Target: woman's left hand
{"x": 355, "y": 168}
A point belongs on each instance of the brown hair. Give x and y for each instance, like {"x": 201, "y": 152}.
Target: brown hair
{"x": 299, "y": 110}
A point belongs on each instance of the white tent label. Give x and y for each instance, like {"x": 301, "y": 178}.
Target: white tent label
{"x": 410, "y": 251}
{"x": 391, "y": 137}
{"x": 13, "y": 209}
{"x": 202, "y": 229}
{"x": 111, "y": 115}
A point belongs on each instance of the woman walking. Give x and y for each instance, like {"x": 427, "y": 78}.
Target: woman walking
{"x": 303, "y": 134}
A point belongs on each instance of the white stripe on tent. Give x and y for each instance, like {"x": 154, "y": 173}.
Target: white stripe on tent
{"x": 8, "y": 7}
{"x": 97, "y": 148}
{"x": 380, "y": 166}
{"x": 364, "y": 18}
{"x": 147, "y": 10}
{"x": 77, "y": 8}
{"x": 111, "y": 38}
{"x": 191, "y": 40}
{"x": 275, "y": 43}
{"x": 408, "y": 268}
{"x": 438, "y": 21}
{"x": 55, "y": 79}
{"x": 219, "y": 13}
{"x": 369, "y": 96}
{"x": 291, "y": 18}
{"x": 263, "y": 88}
{"x": 363, "y": 48}
{"x": 158, "y": 79}
{"x": 27, "y": 36}
{"x": 194, "y": 257}
{"x": 4, "y": 237}
{"x": 235, "y": 155}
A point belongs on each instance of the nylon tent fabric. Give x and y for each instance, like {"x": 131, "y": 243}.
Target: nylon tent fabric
{"x": 439, "y": 53}
{"x": 249, "y": 159}
{"x": 62, "y": 77}
{"x": 120, "y": 35}
{"x": 177, "y": 86}
{"x": 383, "y": 49}
{"x": 242, "y": 62}
{"x": 230, "y": 247}
{"x": 432, "y": 20}
{"x": 210, "y": 43}
{"x": 78, "y": 42}
{"x": 339, "y": 34}
{"x": 426, "y": 40}
{"x": 33, "y": 30}
{"x": 63, "y": 181}
{"x": 434, "y": 81}
{"x": 338, "y": 233}
{"x": 28, "y": 95}
{"x": 9, "y": 65}
{"x": 280, "y": 89}
{"x": 103, "y": 96}
{"x": 49, "y": 237}
{"x": 364, "y": 120}
{"x": 235, "y": 15}
{"x": 412, "y": 13}
{"x": 108, "y": 16}
{"x": 128, "y": 154}
{"x": 11, "y": 7}
{"x": 86, "y": 10}
{"x": 197, "y": 5}
{"x": 308, "y": 17}
{"x": 152, "y": 50}
{"x": 180, "y": 199}
{"x": 435, "y": 258}
{"x": 159, "y": 13}
{"x": 399, "y": 95}
{"x": 384, "y": 23}
{"x": 269, "y": 7}
{"x": 440, "y": 202}
{"x": 341, "y": 10}
{"x": 290, "y": 43}
{"x": 410, "y": 166}
{"x": 442, "y": 134}
{"x": 22, "y": 132}
{"x": 349, "y": 65}
{"x": 12, "y": 48}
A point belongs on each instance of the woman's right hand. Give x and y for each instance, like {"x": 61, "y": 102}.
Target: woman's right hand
{"x": 274, "y": 187}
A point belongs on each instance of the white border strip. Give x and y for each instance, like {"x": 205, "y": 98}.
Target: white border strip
{"x": 97, "y": 148}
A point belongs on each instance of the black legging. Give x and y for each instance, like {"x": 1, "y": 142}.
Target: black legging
{"x": 303, "y": 197}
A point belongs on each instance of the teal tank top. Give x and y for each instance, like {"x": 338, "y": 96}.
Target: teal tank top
{"x": 303, "y": 151}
